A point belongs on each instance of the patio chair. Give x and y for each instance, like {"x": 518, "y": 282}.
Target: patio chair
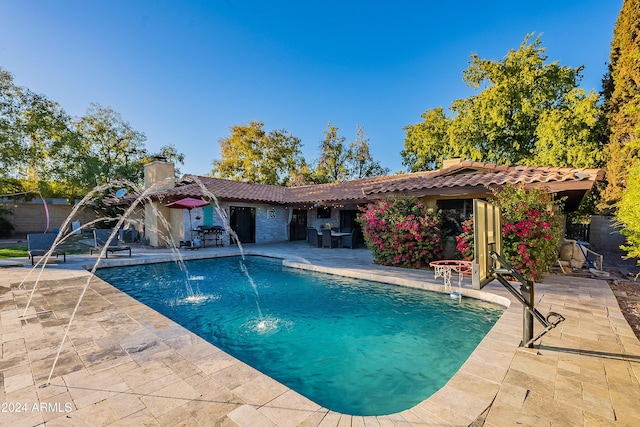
{"x": 41, "y": 244}
{"x": 353, "y": 240}
{"x": 329, "y": 241}
{"x": 101, "y": 236}
{"x": 313, "y": 238}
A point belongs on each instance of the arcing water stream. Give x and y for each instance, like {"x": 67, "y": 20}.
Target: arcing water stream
{"x": 193, "y": 296}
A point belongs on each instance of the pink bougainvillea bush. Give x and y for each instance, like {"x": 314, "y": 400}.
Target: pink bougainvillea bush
{"x": 531, "y": 229}
{"x": 464, "y": 241}
{"x": 402, "y": 232}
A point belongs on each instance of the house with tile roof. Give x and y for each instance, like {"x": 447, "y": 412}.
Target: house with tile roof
{"x": 261, "y": 213}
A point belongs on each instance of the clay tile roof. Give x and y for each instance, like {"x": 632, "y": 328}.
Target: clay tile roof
{"x": 353, "y": 190}
{"x": 227, "y": 189}
{"x": 466, "y": 174}
{"x": 474, "y": 174}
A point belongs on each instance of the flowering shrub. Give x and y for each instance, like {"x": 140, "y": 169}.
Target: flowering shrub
{"x": 531, "y": 228}
{"x": 464, "y": 241}
{"x": 401, "y": 233}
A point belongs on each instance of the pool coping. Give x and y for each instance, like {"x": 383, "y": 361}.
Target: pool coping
{"x": 439, "y": 407}
{"x": 480, "y": 383}
{"x": 459, "y": 410}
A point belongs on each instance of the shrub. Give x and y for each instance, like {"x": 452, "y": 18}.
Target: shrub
{"x": 628, "y": 214}
{"x": 531, "y": 228}
{"x": 6, "y": 228}
{"x": 464, "y": 241}
{"x": 402, "y": 232}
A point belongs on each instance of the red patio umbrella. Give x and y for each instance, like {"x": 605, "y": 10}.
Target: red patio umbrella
{"x": 188, "y": 203}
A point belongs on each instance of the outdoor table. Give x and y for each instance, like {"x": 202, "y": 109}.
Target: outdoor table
{"x": 445, "y": 267}
{"x": 338, "y": 234}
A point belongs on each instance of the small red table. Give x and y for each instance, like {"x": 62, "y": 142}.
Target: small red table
{"x": 445, "y": 267}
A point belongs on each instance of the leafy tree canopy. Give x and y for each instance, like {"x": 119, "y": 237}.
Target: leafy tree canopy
{"x": 526, "y": 111}
{"x": 334, "y": 155}
{"x": 252, "y": 154}
{"x": 628, "y": 213}
{"x": 622, "y": 101}
{"x": 44, "y": 149}
{"x": 362, "y": 163}
{"x": 339, "y": 162}
{"x": 32, "y": 130}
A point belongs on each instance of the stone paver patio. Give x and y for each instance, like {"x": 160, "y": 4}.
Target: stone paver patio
{"x": 124, "y": 364}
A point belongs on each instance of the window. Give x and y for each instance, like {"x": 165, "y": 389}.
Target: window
{"x": 324, "y": 212}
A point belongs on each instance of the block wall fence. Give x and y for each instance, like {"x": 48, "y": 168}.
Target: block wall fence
{"x": 31, "y": 217}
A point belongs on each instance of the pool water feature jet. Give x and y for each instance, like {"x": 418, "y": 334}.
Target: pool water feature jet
{"x": 144, "y": 196}
{"x": 226, "y": 225}
{"x": 261, "y": 323}
{"x": 192, "y": 295}
{"x": 60, "y": 238}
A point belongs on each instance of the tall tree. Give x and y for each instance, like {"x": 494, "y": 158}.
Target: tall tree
{"x": 339, "y": 162}
{"x": 33, "y": 130}
{"x": 334, "y": 157}
{"x": 622, "y": 101}
{"x": 525, "y": 108}
{"x": 107, "y": 148}
{"x": 12, "y": 153}
{"x": 426, "y": 142}
{"x": 362, "y": 163}
{"x": 42, "y": 148}
{"x": 251, "y": 154}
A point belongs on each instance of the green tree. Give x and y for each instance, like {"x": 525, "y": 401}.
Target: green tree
{"x": 333, "y": 164}
{"x": 362, "y": 163}
{"x": 628, "y": 213}
{"x": 47, "y": 131}
{"x": 12, "y": 153}
{"x": 339, "y": 162}
{"x": 251, "y": 154}
{"x": 622, "y": 102}
{"x": 107, "y": 148}
{"x": 523, "y": 106}
{"x": 33, "y": 130}
{"x": 570, "y": 135}
{"x": 43, "y": 149}
{"x": 427, "y": 141}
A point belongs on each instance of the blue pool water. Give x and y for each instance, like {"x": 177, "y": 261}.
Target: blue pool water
{"x": 355, "y": 347}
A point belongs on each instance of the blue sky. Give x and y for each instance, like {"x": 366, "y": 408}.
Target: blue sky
{"x": 184, "y": 72}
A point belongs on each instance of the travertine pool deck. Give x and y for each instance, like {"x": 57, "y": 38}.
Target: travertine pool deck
{"x": 124, "y": 364}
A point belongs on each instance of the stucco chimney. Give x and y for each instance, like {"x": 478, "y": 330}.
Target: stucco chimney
{"x": 159, "y": 173}
{"x": 451, "y": 162}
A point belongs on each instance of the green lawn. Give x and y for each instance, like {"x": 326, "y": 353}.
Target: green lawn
{"x": 13, "y": 252}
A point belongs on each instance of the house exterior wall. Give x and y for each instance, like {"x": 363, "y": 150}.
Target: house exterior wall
{"x": 318, "y": 223}
{"x": 272, "y": 222}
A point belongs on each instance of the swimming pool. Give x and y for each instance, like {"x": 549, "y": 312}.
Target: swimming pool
{"x": 355, "y": 347}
